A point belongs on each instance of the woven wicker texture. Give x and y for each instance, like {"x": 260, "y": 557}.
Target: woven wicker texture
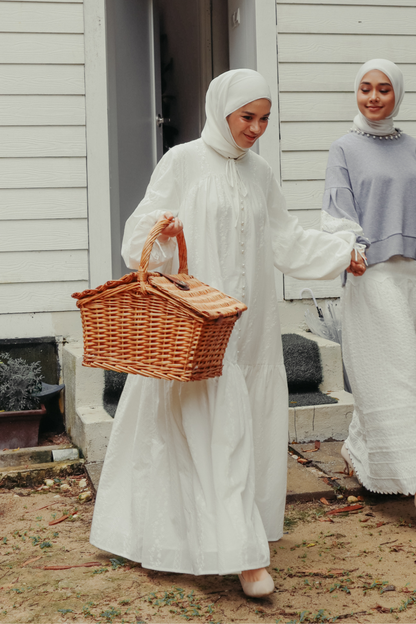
{"x": 145, "y": 324}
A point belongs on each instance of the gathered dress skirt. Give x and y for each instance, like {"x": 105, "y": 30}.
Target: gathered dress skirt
{"x": 379, "y": 351}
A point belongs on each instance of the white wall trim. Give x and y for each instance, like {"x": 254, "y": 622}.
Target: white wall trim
{"x": 266, "y": 52}
{"x": 266, "y": 49}
{"x": 98, "y": 167}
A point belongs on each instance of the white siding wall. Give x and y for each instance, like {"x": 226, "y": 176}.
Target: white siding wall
{"x": 43, "y": 196}
{"x": 320, "y": 48}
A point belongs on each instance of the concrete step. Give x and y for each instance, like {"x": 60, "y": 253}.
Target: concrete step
{"x": 89, "y": 425}
{"x": 327, "y": 462}
{"x": 38, "y": 455}
{"x": 322, "y": 477}
{"x": 324, "y": 422}
{"x": 35, "y": 474}
{"x": 331, "y": 358}
{"x": 87, "y": 422}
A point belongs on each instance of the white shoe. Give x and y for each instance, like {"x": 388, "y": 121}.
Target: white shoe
{"x": 257, "y": 589}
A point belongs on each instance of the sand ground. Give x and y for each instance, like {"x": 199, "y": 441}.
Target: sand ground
{"x": 361, "y": 567}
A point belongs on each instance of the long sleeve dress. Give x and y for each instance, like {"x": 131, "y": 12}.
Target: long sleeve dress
{"x": 194, "y": 478}
{"x": 371, "y": 191}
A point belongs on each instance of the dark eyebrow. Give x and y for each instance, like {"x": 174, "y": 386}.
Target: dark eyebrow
{"x": 249, "y": 113}
{"x": 385, "y": 84}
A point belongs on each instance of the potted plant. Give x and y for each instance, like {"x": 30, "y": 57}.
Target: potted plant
{"x": 20, "y": 408}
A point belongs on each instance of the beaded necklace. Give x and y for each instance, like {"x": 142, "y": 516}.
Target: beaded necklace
{"x": 395, "y": 135}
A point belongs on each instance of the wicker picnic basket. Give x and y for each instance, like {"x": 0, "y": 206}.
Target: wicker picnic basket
{"x": 163, "y": 326}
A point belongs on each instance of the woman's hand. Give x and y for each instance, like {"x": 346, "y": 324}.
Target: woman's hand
{"x": 171, "y": 230}
{"x": 357, "y": 266}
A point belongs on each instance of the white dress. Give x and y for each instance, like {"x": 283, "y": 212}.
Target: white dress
{"x": 379, "y": 350}
{"x": 194, "y": 478}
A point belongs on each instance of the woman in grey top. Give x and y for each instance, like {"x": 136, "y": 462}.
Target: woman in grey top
{"x": 371, "y": 191}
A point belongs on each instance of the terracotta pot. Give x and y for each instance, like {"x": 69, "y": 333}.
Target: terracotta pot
{"x": 20, "y": 429}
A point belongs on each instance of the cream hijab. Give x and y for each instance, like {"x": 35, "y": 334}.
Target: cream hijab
{"x": 226, "y": 94}
{"x": 393, "y": 73}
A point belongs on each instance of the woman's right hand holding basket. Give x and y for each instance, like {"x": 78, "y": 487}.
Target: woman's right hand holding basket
{"x": 171, "y": 230}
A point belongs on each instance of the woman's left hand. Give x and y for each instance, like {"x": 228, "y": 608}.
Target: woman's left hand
{"x": 357, "y": 266}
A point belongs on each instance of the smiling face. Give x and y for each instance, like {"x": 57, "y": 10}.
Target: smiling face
{"x": 375, "y": 97}
{"x": 249, "y": 122}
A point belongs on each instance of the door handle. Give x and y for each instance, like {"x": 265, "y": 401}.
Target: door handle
{"x": 161, "y": 120}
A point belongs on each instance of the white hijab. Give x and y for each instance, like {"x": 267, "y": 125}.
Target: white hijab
{"x": 227, "y": 93}
{"x": 393, "y": 73}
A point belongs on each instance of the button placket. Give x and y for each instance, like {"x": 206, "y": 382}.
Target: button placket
{"x": 242, "y": 249}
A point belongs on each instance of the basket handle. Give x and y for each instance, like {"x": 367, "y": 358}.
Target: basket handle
{"x": 156, "y": 230}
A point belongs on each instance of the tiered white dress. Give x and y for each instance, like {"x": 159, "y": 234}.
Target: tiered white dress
{"x": 194, "y": 478}
{"x": 379, "y": 350}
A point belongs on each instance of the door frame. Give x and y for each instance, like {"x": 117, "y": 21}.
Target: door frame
{"x": 266, "y": 52}
{"x": 97, "y": 126}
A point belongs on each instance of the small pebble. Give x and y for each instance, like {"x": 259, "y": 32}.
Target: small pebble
{"x": 85, "y": 496}
{"x": 49, "y": 482}
{"x": 65, "y": 487}
{"x": 339, "y": 496}
{"x": 352, "y": 499}
{"x": 82, "y": 483}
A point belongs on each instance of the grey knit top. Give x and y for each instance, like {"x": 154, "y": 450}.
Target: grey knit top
{"x": 370, "y": 189}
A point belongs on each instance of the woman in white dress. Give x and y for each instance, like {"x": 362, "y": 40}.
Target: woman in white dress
{"x": 194, "y": 479}
{"x": 371, "y": 191}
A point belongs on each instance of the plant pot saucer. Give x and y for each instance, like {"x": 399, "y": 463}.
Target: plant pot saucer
{"x": 49, "y": 390}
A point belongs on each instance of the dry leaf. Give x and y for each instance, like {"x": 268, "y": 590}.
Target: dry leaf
{"x": 89, "y": 564}
{"x": 326, "y": 573}
{"x": 380, "y": 609}
{"x": 324, "y": 501}
{"x": 31, "y": 561}
{"x": 58, "y": 520}
{"x": 344, "y": 509}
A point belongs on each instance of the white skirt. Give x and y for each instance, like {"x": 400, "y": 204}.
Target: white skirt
{"x": 194, "y": 478}
{"x": 379, "y": 350}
